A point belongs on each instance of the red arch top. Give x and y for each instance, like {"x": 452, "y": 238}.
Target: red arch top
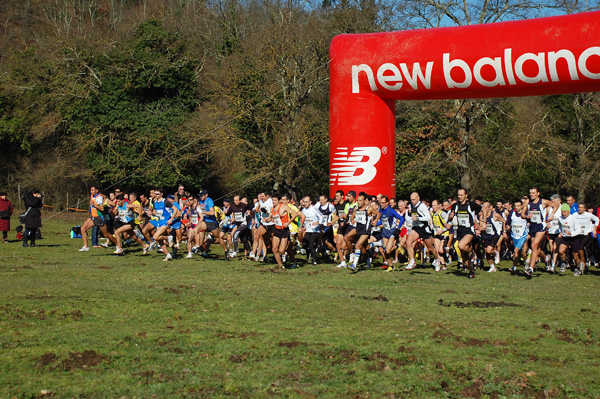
{"x": 368, "y": 72}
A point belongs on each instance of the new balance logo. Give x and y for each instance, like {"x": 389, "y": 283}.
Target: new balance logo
{"x": 355, "y": 167}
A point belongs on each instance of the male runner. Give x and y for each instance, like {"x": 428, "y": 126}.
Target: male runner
{"x": 96, "y": 218}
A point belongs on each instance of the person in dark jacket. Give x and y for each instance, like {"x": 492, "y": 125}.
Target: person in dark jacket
{"x": 33, "y": 220}
{"x": 6, "y": 211}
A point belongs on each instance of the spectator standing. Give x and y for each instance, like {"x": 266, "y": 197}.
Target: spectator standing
{"x": 6, "y": 211}
{"x": 33, "y": 219}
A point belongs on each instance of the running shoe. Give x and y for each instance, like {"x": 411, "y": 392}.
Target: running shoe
{"x": 472, "y": 274}
{"x": 145, "y": 250}
{"x": 168, "y": 258}
{"x": 352, "y": 267}
{"x": 204, "y": 255}
{"x": 84, "y": 249}
{"x": 292, "y": 266}
{"x": 577, "y": 272}
{"x": 411, "y": 265}
{"x": 118, "y": 251}
{"x": 369, "y": 262}
{"x": 437, "y": 265}
{"x": 342, "y": 265}
{"x": 189, "y": 255}
{"x": 492, "y": 269}
{"x": 513, "y": 270}
{"x": 529, "y": 271}
{"x": 563, "y": 267}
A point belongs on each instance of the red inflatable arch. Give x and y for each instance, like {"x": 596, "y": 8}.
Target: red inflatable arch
{"x": 369, "y": 72}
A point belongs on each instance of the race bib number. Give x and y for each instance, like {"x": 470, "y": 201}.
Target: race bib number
{"x": 581, "y": 228}
{"x": 159, "y": 213}
{"x": 553, "y": 224}
{"x": 360, "y": 217}
{"x": 536, "y": 217}
{"x": 463, "y": 220}
{"x": 518, "y": 230}
{"x": 238, "y": 217}
{"x": 123, "y": 215}
{"x": 385, "y": 223}
{"x": 277, "y": 220}
{"x": 489, "y": 230}
{"x": 194, "y": 219}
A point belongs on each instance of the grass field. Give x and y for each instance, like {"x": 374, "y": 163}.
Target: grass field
{"x": 92, "y": 325}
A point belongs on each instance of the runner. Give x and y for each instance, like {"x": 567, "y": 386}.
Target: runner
{"x": 327, "y": 209}
{"x": 391, "y": 222}
{"x": 534, "y": 210}
{"x": 238, "y": 212}
{"x": 553, "y": 230}
{"x": 441, "y": 233}
{"x": 312, "y": 219}
{"x": 585, "y": 224}
{"x": 96, "y": 218}
{"x": 568, "y": 239}
{"x": 363, "y": 217}
{"x": 345, "y": 244}
{"x": 191, "y": 218}
{"x": 421, "y": 219}
{"x": 165, "y": 212}
{"x": 129, "y": 216}
{"x": 492, "y": 224}
{"x": 467, "y": 219}
{"x": 264, "y": 228}
{"x": 517, "y": 225}
{"x": 280, "y": 217}
{"x": 210, "y": 220}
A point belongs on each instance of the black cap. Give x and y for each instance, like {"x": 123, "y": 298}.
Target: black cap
{"x": 203, "y": 192}
{"x": 227, "y": 200}
{"x": 352, "y": 193}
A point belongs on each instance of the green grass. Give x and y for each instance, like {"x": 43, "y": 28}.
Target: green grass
{"x": 207, "y": 328}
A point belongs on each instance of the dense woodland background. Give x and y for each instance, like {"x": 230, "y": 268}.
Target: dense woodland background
{"x": 232, "y": 96}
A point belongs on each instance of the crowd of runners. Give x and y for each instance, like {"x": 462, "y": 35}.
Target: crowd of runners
{"x": 354, "y": 231}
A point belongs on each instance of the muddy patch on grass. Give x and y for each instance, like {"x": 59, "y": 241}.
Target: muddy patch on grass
{"x": 73, "y": 315}
{"x": 291, "y": 344}
{"x": 478, "y": 304}
{"x": 225, "y": 335}
{"x": 47, "y": 359}
{"x": 241, "y": 358}
{"x": 374, "y": 298}
{"x": 44, "y": 296}
{"x": 76, "y": 360}
{"x": 474, "y": 390}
